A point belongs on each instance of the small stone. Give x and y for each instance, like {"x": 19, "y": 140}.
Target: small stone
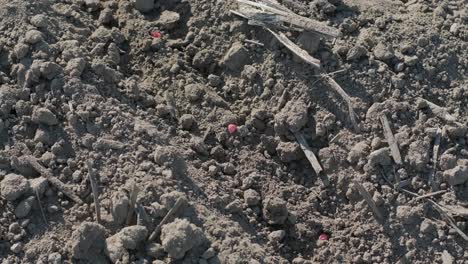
{"x": 44, "y": 116}
{"x": 209, "y": 253}
{"x": 55, "y": 258}
{"x": 33, "y": 36}
{"x": 236, "y": 57}
{"x": 383, "y": 52}
{"x": 187, "y": 121}
{"x": 457, "y": 175}
{"x": 24, "y": 207}
{"x": 229, "y": 168}
{"x": 380, "y": 156}
{"x": 155, "y": 250}
{"x": 14, "y": 228}
{"x": 411, "y": 60}
{"x": 275, "y": 210}
{"x": 179, "y": 237}
{"x": 455, "y": 28}
{"x": 428, "y": 227}
{"x": 144, "y": 6}
{"x": 13, "y": 186}
{"x": 277, "y": 236}
{"x": 356, "y": 53}
{"x": 17, "y": 247}
{"x": 234, "y": 207}
{"x": 251, "y": 197}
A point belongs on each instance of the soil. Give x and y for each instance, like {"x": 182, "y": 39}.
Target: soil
{"x": 144, "y": 91}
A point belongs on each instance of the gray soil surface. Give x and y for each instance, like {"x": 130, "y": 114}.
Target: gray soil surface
{"x": 138, "y": 95}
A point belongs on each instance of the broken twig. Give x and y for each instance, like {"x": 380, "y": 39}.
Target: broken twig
{"x": 335, "y": 86}
{"x": 40, "y": 208}
{"x": 439, "y": 111}
{"x": 391, "y": 140}
{"x": 427, "y": 195}
{"x": 94, "y": 188}
{"x": 304, "y": 55}
{"x": 179, "y": 203}
{"x": 435, "y": 153}
{"x": 279, "y": 16}
{"x": 367, "y": 197}
{"x": 309, "y": 153}
{"x": 53, "y": 180}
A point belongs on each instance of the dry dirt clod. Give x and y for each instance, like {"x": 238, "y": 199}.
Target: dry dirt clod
{"x": 87, "y": 242}
{"x": 457, "y": 175}
{"x": 179, "y": 237}
{"x": 128, "y": 238}
{"x": 275, "y": 211}
{"x": 13, "y": 186}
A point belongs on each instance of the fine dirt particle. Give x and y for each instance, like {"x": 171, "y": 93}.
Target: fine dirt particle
{"x": 179, "y": 237}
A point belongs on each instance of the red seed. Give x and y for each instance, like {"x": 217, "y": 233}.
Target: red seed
{"x": 232, "y": 128}
{"x": 323, "y": 237}
{"x": 155, "y": 34}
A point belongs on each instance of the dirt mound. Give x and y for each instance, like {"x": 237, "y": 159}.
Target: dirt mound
{"x": 148, "y": 103}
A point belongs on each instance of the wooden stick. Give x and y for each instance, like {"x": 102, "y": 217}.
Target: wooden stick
{"x": 427, "y": 195}
{"x": 254, "y": 42}
{"x": 365, "y": 194}
{"x": 40, "y": 208}
{"x": 335, "y": 86}
{"x": 443, "y": 213}
{"x": 53, "y": 180}
{"x": 95, "y": 190}
{"x": 309, "y": 153}
{"x": 304, "y": 55}
{"x": 286, "y": 17}
{"x": 391, "y": 140}
{"x": 179, "y": 203}
{"x": 133, "y": 197}
{"x": 439, "y": 111}
{"x": 435, "y": 153}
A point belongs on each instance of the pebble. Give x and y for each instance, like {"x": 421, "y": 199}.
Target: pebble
{"x": 457, "y": 175}
{"x": 17, "y": 247}
{"x": 54, "y": 258}
{"x": 24, "y": 207}
{"x": 236, "y": 57}
{"x": 356, "y": 53}
{"x": 14, "y": 228}
{"x": 277, "y": 236}
{"x": 454, "y": 28}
